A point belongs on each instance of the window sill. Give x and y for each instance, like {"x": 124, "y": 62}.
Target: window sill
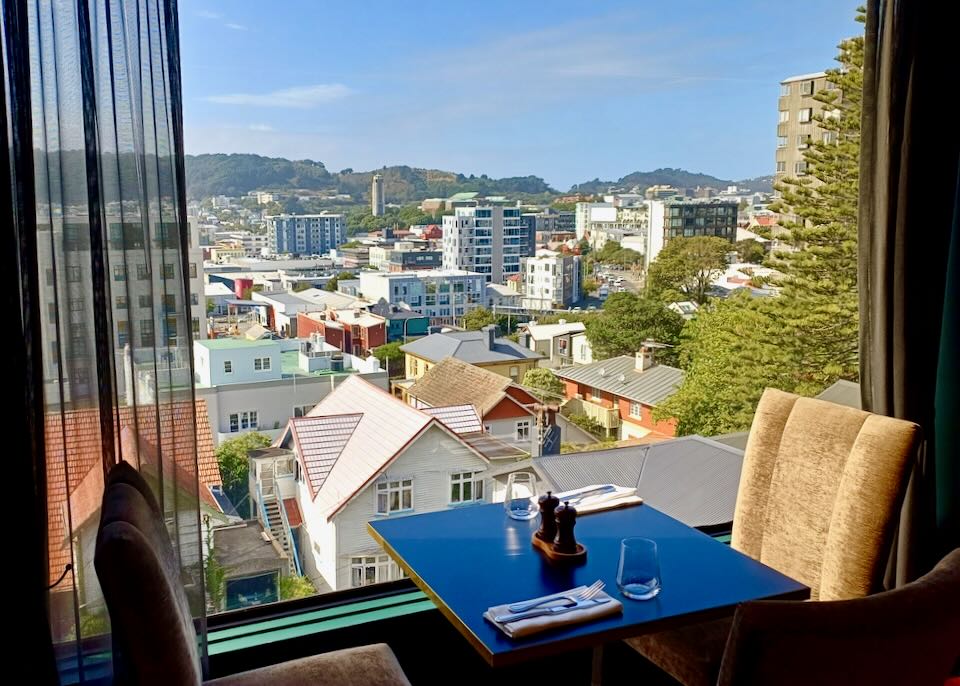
{"x": 396, "y": 512}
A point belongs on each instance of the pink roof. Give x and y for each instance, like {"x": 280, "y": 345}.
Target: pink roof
{"x": 460, "y": 419}
{"x": 320, "y": 441}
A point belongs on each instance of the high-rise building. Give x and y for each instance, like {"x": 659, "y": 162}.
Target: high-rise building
{"x": 377, "y": 202}
{"x": 551, "y": 280}
{"x": 444, "y": 295}
{"x": 490, "y": 239}
{"x": 702, "y": 217}
{"x": 796, "y": 127}
{"x": 305, "y": 234}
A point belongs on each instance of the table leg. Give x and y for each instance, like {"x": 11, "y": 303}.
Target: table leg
{"x": 596, "y": 674}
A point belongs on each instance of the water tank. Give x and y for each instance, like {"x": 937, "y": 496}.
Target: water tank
{"x": 336, "y": 363}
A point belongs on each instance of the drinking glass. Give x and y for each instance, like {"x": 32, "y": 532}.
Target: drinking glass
{"x": 519, "y": 502}
{"x": 638, "y": 576}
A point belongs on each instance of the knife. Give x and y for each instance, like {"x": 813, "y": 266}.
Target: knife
{"x": 517, "y": 616}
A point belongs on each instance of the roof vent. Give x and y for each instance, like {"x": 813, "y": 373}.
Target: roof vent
{"x": 602, "y": 371}
{"x": 622, "y": 379}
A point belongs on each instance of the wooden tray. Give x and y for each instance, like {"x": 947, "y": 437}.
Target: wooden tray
{"x": 578, "y": 557}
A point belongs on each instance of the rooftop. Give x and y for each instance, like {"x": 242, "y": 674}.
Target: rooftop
{"x": 650, "y": 387}
{"x": 454, "y": 382}
{"x": 242, "y": 551}
{"x": 233, "y": 343}
{"x": 468, "y": 346}
{"x": 544, "y": 332}
{"x": 290, "y": 366}
{"x": 805, "y": 77}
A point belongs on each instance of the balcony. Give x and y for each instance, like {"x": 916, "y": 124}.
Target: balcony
{"x": 607, "y": 417}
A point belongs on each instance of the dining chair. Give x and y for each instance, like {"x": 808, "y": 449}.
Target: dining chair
{"x": 153, "y": 635}
{"x": 819, "y": 493}
{"x": 909, "y": 636}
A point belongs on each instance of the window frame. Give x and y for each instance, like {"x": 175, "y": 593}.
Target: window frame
{"x": 461, "y": 480}
{"x": 522, "y": 430}
{"x": 228, "y": 366}
{"x": 386, "y": 488}
{"x": 635, "y": 405}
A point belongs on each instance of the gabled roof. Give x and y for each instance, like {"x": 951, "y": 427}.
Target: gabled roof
{"x": 339, "y": 467}
{"x": 453, "y": 382}
{"x": 468, "y": 346}
{"x": 650, "y": 387}
{"x": 693, "y": 479}
{"x": 544, "y": 332}
{"x": 460, "y": 419}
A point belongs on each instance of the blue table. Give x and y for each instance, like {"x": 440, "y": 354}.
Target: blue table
{"x": 470, "y": 558}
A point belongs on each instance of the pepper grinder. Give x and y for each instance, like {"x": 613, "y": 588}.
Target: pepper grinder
{"x": 566, "y": 519}
{"x": 548, "y": 523}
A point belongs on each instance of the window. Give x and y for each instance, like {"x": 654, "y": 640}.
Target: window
{"x": 243, "y": 420}
{"x": 146, "y": 301}
{"x": 803, "y": 141}
{"x": 228, "y": 366}
{"x": 784, "y": 89}
{"x": 168, "y": 272}
{"x": 261, "y": 364}
{"x": 121, "y": 302}
{"x": 514, "y": 373}
{"x": 800, "y": 168}
{"x": 596, "y": 394}
{"x": 195, "y": 325}
{"x": 120, "y": 272}
{"x": 523, "y": 430}
{"x": 784, "y": 116}
{"x": 781, "y": 141}
{"x": 781, "y": 166}
{"x": 829, "y": 137}
{"x": 194, "y": 299}
{"x": 466, "y": 487}
{"x": 73, "y": 274}
{"x": 142, "y": 272}
{"x": 806, "y": 115}
{"x": 635, "y": 409}
{"x": 806, "y": 87}
{"x": 193, "y": 270}
{"x": 301, "y": 410}
{"x": 373, "y": 569}
{"x": 394, "y": 496}
{"x": 123, "y": 332}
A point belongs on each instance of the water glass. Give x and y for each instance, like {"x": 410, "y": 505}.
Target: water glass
{"x": 638, "y": 576}
{"x": 519, "y": 501}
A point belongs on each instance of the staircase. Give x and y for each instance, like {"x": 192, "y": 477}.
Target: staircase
{"x": 275, "y": 521}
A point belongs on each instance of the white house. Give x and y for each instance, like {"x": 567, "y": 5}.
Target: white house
{"x": 582, "y": 350}
{"x": 218, "y": 293}
{"x": 362, "y": 454}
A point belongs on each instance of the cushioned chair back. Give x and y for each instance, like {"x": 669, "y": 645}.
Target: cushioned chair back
{"x": 906, "y": 637}
{"x": 154, "y": 640}
{"x": 820, "y": 490}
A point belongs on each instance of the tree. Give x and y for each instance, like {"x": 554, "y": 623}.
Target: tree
{"x": 613, "y": 253}
{"x": 332, "y": 284}
{"x": 627, "y": 320}
{"x": 477, "y": 318}
{"x": 590, "y": 285}
{"x": 295, "y": 587}
{"x": 685, "y": 268}
{"x": 302, "y": 286}
{"x": 388, "y": 352}
{"x": 232, "y": 456}
{"x": 547, "y": 386}
{"x": 584, "y": 246}
{"x": 750, "y": 250}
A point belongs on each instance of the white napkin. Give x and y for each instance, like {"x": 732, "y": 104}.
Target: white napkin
{"x": 617, "y": 496}
{"x": 526, "y": 627}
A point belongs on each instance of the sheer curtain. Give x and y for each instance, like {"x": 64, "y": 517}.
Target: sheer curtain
{"x": 112, "y": 282}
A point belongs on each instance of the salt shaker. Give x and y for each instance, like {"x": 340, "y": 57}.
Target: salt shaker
{"x": 566, "y": 517}
{"x": 548, "y": 523}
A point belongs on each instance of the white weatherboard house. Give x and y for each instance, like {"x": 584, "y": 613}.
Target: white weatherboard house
{"x": 361, "y": 454}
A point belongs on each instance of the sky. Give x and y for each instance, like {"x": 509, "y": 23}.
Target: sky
{"x": 565, "y": 90}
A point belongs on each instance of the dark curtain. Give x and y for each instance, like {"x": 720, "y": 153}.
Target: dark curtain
{"x": 910, "y": 164}
{"x": 96, "y": 263}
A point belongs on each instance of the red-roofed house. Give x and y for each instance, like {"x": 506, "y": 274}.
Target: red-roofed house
{"x": 361, "y": 454}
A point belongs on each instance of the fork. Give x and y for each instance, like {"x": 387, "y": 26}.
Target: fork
{"x": 555, "y": 610}
{"x": 586, "y": 594}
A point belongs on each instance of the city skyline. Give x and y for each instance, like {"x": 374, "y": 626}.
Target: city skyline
{"x": 563, "y": 92}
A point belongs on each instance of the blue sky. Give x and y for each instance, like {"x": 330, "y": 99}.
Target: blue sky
{"x": 564, "y": 90}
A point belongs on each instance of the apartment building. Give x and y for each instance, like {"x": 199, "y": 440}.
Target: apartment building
{"x": 489, "y": 239}
{"x": 444, "y": 295}
{"x": 796, "y": 128}
{"x": 700, "y": 217}
{"x": 305, "y": 234}
{"x": 551, "y": 280}
{"x": 612, "y": 219}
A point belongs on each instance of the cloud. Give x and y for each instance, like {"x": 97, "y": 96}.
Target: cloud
{"x": 299, "y": 97}
{"x": 236, "y": 27}
{"x": 207, "y": 14}
{"x": 260, "y": 127}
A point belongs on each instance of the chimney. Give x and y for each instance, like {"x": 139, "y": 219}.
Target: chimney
{"x": 491, "y": 331}
{"x": 523, "y": 338}
{"x": 644, "y": 359}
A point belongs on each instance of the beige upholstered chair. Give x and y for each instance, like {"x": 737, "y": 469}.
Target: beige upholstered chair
{"x": 819, "y": 494}
{"x": 154, "y": 640}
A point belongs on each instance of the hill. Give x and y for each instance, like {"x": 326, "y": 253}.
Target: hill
{"x": 679, "y": 178}
{"x": 760, "y": 184}
{"x": 238, "y": 174}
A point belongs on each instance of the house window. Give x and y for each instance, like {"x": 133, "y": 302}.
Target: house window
{"x": 243, "y": 420}
{"x": 120, "y": 272}
{"x": 800, "y": 168}
{"x": 514, "y": 373}
{"x": 301, "y": 410}
{"x": 228, "y": 366}
{"x": 466, "y": 487}
{"x": 806, "y": 88}
{"x": 781, "y": 166}
{"x": 803, "y": 141}
{"x": 784, "y": 116}
{"x": 373, "y": 569}
{"x": 596, "y": 394}
{"x": 394, "y": 496}
{"x": 784, "y": 89}
{"x": 523, "y": 430}
{"x": 635, "y": 409}
{"x": 261, "y": 364}
{"x": 781, "y": 141}
{"x": 806, "y": 115}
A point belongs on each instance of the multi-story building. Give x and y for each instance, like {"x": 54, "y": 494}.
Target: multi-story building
{"x": 553, "y": 341}
{"x": 305, "y": 234}
{"x": 551, "y": 280}
{"x": 444, "y": 295}
{"x": 481, "y": 348}
{"x": 407, "y": 260}
{"x": 796, "y": 128}
{"x": 489, "y": 239}
{"x": 708, "y": 217}
{"x": 353, "y": 330}
{"x": 612, "y": 220}
{"x": 253, "y": 244}
{"x": 377, "y": 200}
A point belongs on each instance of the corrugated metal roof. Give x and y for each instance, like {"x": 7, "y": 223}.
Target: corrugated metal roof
{"x": 460, "y": 419}
{"x": 650, "y": 387}
{"x": 693, "y": 479}
{"x": 468, "y": 346}
{"x": 544, "y": 332}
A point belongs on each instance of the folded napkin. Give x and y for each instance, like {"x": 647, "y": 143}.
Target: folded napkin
{"x": 600, "y": 497}
{"x": 527, "y": 627}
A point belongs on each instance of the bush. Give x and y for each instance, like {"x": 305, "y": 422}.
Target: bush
{"x": 588, "y": 424}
